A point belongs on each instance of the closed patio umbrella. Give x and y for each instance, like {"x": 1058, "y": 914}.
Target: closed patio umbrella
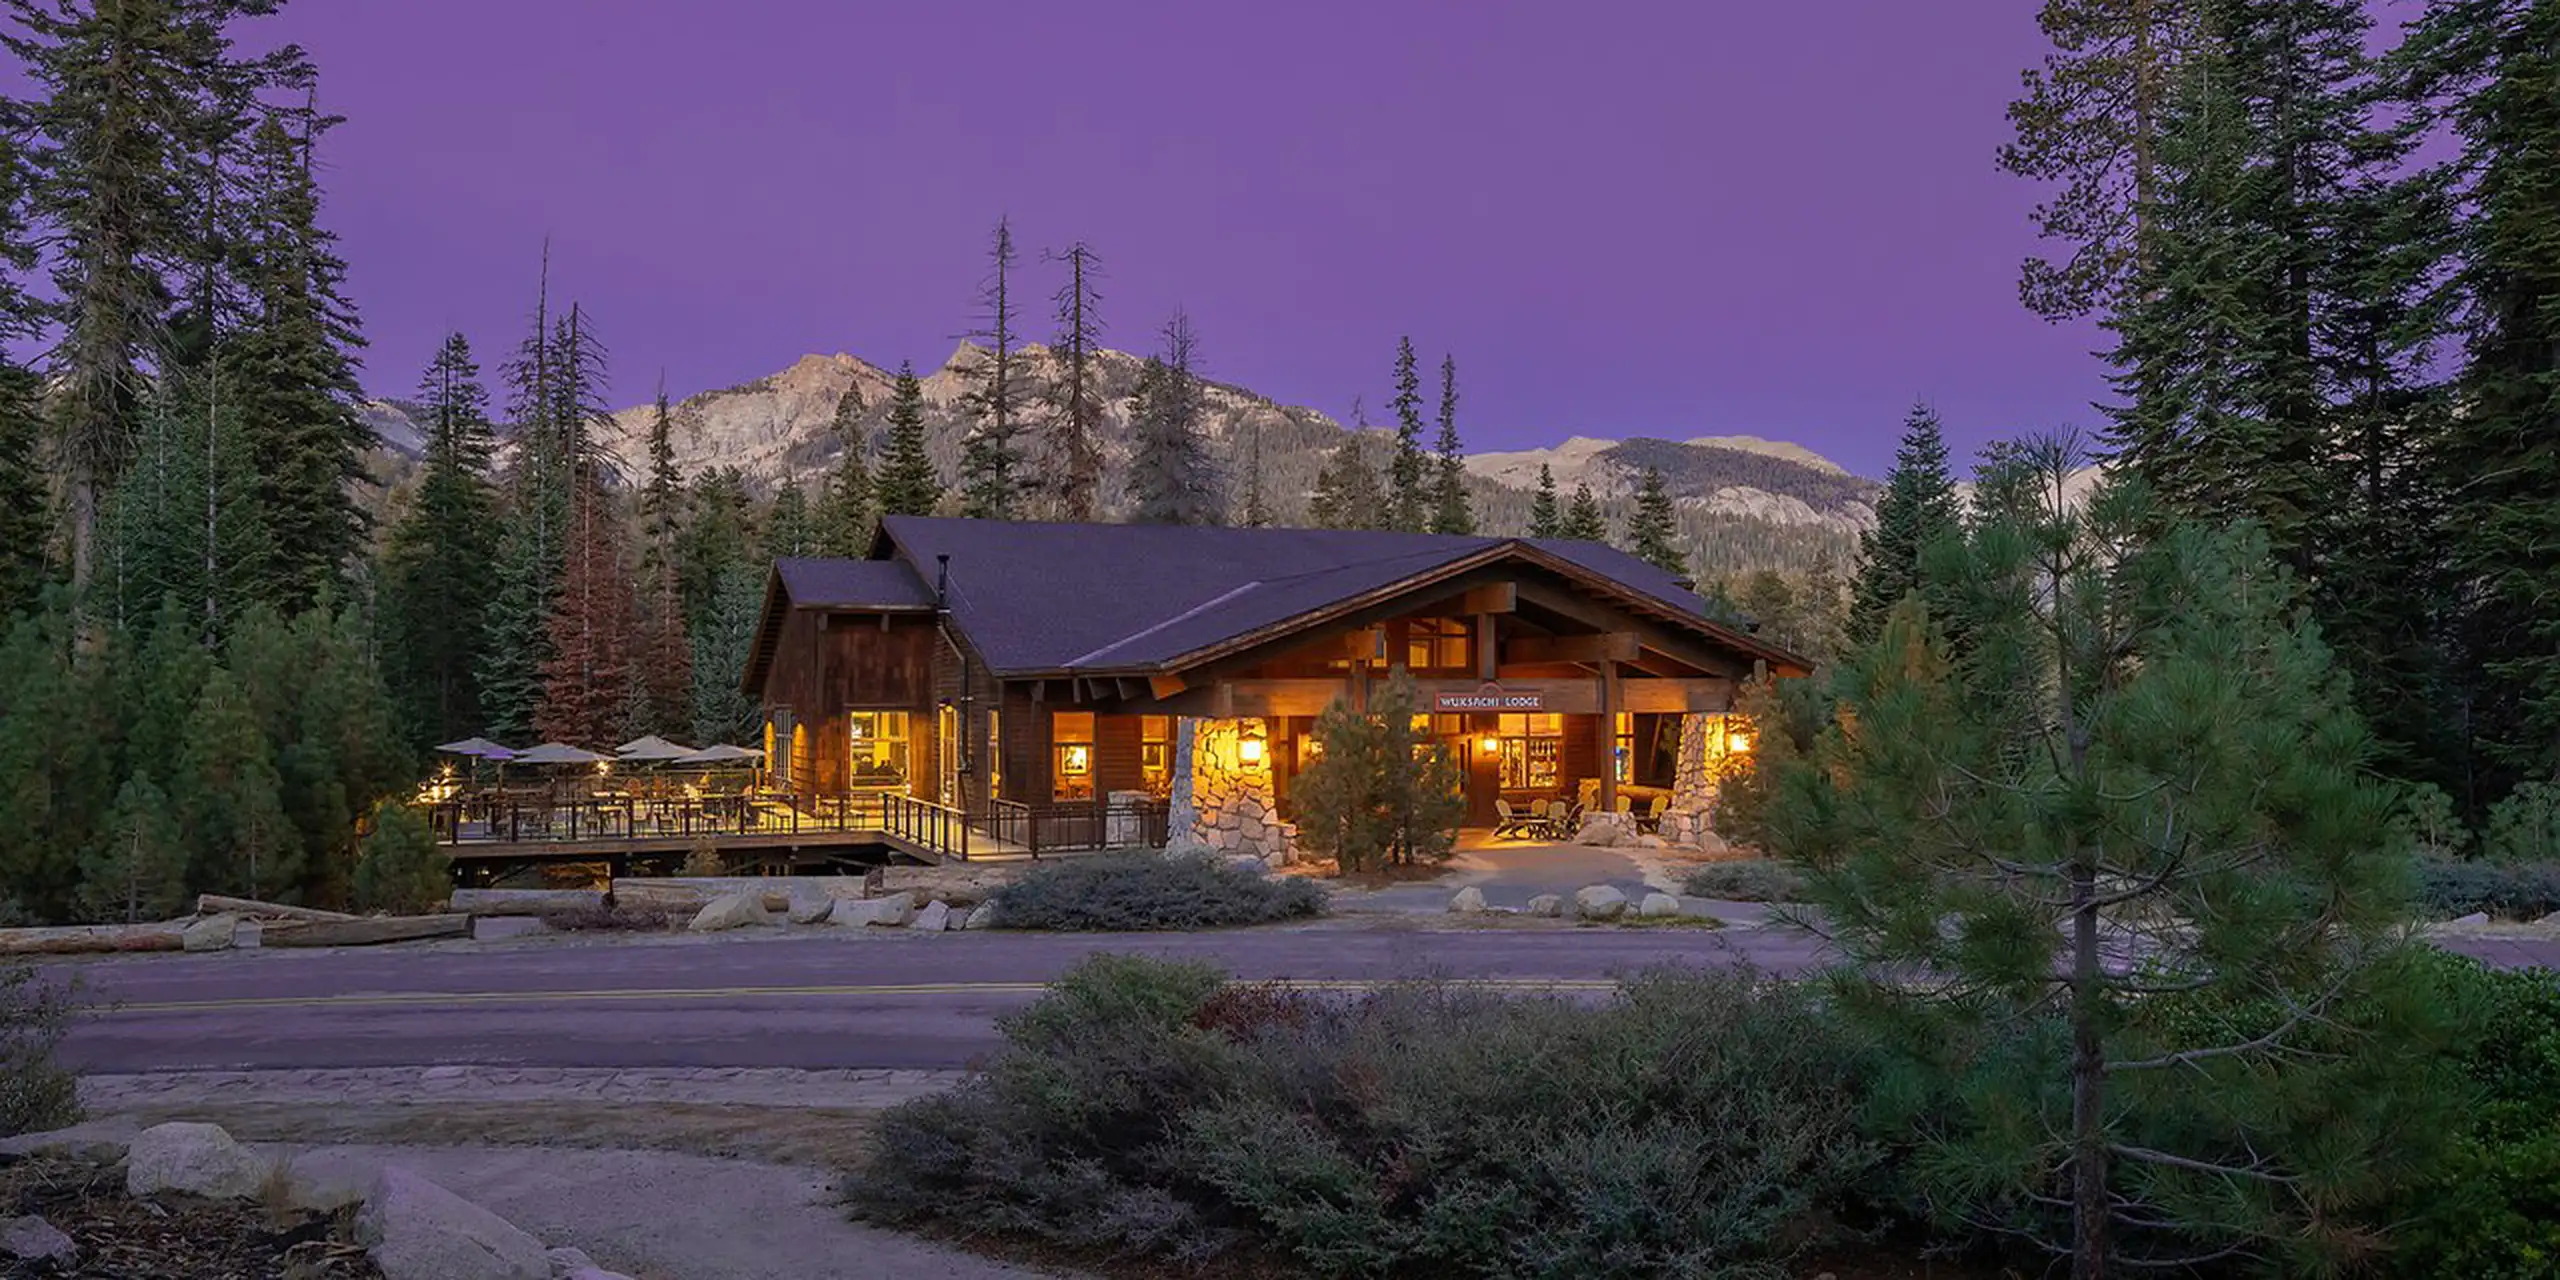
{"x": 652, "y": 749}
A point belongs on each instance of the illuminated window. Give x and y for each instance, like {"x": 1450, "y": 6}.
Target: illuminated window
{"x": 879, "y": 756}
{"x": 1532, "y": 751}
{"x": 1155, "y": 753}
{"x": 1071, "y": 745}
{"x": 995, "y": 756}
{"x": 780, "y": 741}
{"x": 1622, "y": 752}
{"x": 1436, "y": 644}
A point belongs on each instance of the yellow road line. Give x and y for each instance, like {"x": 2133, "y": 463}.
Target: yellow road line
{"x": 398, "y": 999}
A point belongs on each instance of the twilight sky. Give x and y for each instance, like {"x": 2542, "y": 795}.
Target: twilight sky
{"x": 1624, "y": 217}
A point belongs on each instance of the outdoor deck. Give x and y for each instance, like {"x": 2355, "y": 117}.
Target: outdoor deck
{"x": 492, "y": 831}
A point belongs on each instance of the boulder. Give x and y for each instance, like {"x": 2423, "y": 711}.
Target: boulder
{"x": 96, "y": 1141}
{"x": 984, "y": 917}
{"x": 213, "y": 933}
{"x": 198, "y": 1159}
{"x": 326, "y": 1181}
{"x": 416, "y": 1230}
{"x": 493, "y": 928}
{"x": 1546, "y": 904}
{"x": 565, "y": 1260}
{"x": 2476, "y": 917}
{"x": 1658, "y": 906}
{"x": 1468, "y": 902}
{"x": 1650, "y": 842}
{"x": 809, "y": 905}
{"x": 730, "y": 911}
{"x": 935, "y": 917}
{"x": 1599, "y": 902}
{"x": 889, "y": 912}
{"x": 32, "y": 1239}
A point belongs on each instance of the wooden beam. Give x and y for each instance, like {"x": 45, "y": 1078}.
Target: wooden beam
{"x": 1660, "y": 697}
{"x": 1166, "y": 686}
{"x": 1488, "y": 647}
{"x": 1493, "y": 597}
{"x": 1608, "y": 683}
{"x": 1605, "y": 646}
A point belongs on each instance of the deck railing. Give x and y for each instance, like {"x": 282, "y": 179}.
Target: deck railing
{"x": 1070, "y": 826}
{"x": 1007, "y": 828}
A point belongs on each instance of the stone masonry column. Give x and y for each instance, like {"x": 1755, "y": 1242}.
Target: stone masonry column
{"x": 1221, "y": 803}
{"x": 1689, "y": 822}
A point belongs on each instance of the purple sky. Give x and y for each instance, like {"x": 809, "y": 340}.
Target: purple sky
{"x": 1624, "y": 217}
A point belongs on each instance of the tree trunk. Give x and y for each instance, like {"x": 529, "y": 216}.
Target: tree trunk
{"x": 2088, "y": 1082}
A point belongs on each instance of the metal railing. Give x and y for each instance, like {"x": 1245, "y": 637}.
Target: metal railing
{"x": 1073, "y": 826}
{"x": 1007, "y": 827}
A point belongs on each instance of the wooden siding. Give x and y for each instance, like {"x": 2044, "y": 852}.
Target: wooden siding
{"x": 828, "y": 664}
{"x": 1116, "y": 743}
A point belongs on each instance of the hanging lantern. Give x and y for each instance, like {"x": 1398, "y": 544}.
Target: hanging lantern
{"x": 1249, "y": 748}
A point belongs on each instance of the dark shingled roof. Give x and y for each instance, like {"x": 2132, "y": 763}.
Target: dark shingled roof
{"x": 853, "y": 584}
{"x": 1129, "y": 597}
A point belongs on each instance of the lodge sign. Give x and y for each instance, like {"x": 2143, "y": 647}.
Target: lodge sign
{"x": 1489, "y": 698}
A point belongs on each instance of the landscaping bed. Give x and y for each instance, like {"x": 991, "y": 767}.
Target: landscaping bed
{"x": 174, "y": 1237}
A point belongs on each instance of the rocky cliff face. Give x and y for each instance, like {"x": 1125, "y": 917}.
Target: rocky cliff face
{"x": 777, "y": 430}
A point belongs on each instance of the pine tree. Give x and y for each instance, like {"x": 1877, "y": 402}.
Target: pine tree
{"x": 2089, "y": 126}
{"x": 2142, "y": 751}
{"x": 1450, "y": 512}
{"x": 1347, "y": 495}
{"x": 662, "y": 498}
{"x": 122, "y": 95}
{"x": 662, "y": 687}
{"x": 1171, "y": 477}
{"x": 1381, "y": 794}
{"x": 138, "y": 871}
{"x": 1257, "y": 511}
{"x": 515, "y": 647}
{"x": 228, "y": 798}
{"x": 401, "y": 868}
{"x": 719, "y": 535}
{"x": 587, "y": 684}
{"x": 1073, "y": 474}
{"x": 25, "y": 530}
{"x": 789, "y": 530}
{"x": 1653, "y": 531}
{"x": 313, "y": 688}
{"x": 845, "y": 517}
{"x": 1583, "y": 521}
{"x": 1406, "y": 471}
{"x": 991, "y": 487}
{"x": 909, "y": 486}
{"x": 440, "y": 570}
{"x": 292, "y": 369}
{"x": 1918, "y": 508}
{"x": 722, "y": 710}
{"x": 184, "y": 520}
{"x": 1544, "y": 520}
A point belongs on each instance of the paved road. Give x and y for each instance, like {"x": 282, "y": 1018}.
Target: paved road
{"x": 821, "y": 1000}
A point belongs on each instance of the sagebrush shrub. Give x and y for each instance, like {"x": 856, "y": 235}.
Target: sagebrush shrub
{"x": 1752, "y": 880}
{"x": 2524, "y": 891}
{"x": 1133, "y": 892}
{"x": 36, "y": 1092}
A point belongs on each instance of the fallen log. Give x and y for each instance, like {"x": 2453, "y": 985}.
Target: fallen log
{"x": 365, "y": 932}
{"x": 90, "y": 939}
{"x": 695, "y": 892}
{"x": 524, "y": 902}
{"x": 211, "y": 904}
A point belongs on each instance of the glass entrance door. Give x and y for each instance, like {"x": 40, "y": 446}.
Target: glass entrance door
{"x": 946, "y": 753}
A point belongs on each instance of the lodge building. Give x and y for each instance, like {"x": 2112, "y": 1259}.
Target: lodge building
{"x": 990, "y": 665}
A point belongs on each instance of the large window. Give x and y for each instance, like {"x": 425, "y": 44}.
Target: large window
{"x": 1532, "y": 752}
{"x": 1071, "y": 749}
{"x": 879, "y": 750}
{"x": 778, "y": 742}
{"x": 1436, "y": 644}
{"x": 1622, "y": 748}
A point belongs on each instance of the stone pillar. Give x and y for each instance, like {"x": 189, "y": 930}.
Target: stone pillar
{"x": 1690, "y": 821}
{"x": 1221, "y": 804}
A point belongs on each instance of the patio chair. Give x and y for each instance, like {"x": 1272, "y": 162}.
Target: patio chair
{"x": 1626, "y": 803}
{"x": 1509, "y": 823}
{"x": 1564, "y": 819}
{"x": 1652, "y": 817}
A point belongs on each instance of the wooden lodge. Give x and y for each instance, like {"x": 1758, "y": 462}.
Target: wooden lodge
{"x": 996, "y": 667}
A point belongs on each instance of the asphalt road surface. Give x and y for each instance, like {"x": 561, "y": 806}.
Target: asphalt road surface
{"x": 820, "y": 1000}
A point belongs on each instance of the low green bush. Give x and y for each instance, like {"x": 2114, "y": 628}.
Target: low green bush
{"x": 2491, "y": 1211}
{"x": 1132, "y": 892}
{"x": 1693, "y": 1125}
{"x": 2516, "y": 890}
{"x": 36, "y": 1092}
{"x": 1752, "y": 880}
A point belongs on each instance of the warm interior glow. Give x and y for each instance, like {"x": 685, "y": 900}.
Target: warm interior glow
{"x": 1489, "y": 744}
{"x": 1249, "y": 750}
{"x": 1737, "y": 742}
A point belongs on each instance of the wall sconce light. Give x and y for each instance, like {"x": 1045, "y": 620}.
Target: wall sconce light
{"x": 1737, "y": 742}
{"x": 1249, "y": 747}
{"x": 1490, "y": 745}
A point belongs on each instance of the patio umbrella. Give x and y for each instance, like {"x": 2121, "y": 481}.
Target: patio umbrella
{"x": 559, "y": 753}
{"x": 651, "y": 749}
{"x": 477, "y": 748}
{"x": 721, "y": 753}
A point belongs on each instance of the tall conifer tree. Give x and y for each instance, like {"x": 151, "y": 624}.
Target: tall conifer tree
{"x": 1544, "y": 520}
{"x": 1407, "y": 472}
{"x": 441, "y": 568}
{"x": 1583, "y": 521}
{"x": 1172, "y": 478}
{"x": 1450, "y": 511}
{"x": 991, "y": 458}
{"x": 1653, "y": 529}
{"x": 1917, "y": 509}
{"x": 1073, "y": 476}
{"x": 909, "y": 485}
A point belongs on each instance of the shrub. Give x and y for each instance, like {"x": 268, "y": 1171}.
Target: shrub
{"x": 613, "y": 919}
{"x": 1381, "y": 794}
{"x": 2491, "y": 1211}
{"x": 1754, "y": 880}
{"x": 2526, "y": 891}
{"x": 1150, "y": 891}
{"x": 1692, "y": 1126}
{"x": 36, "y": 1092}
{"x": 2524, "y": 827}
{"x": 703, "y": 860}
{"x": 2427, "y": 825}
{"x": 399, "y": 867}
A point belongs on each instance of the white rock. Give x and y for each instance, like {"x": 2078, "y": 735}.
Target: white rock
{"x": 326, "y": 1181}
{"x": 2476, "y": 917}
{"x": 416, "y": 1230}
{"x": 1658, "y": 906}
{"x": 198, "y": 1159}
{"x": 810, "y": 904}
{"x": 213, "y": 933}
{"x": 1599, "y": 902}
{"x": 1546, "y": 904}
{"x": 984, "y": 917}
{"x": 934, "y": 918}
{"x": 1650, "y": 842}
{"x": 889, "y": 912}
{"x": 730, "y": 911}
{"x": 1468, "y": 902}
{"x": 32, "y": 1239}
{"x": 1249, "y": 862}
{"x": 97, "y": 1141}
